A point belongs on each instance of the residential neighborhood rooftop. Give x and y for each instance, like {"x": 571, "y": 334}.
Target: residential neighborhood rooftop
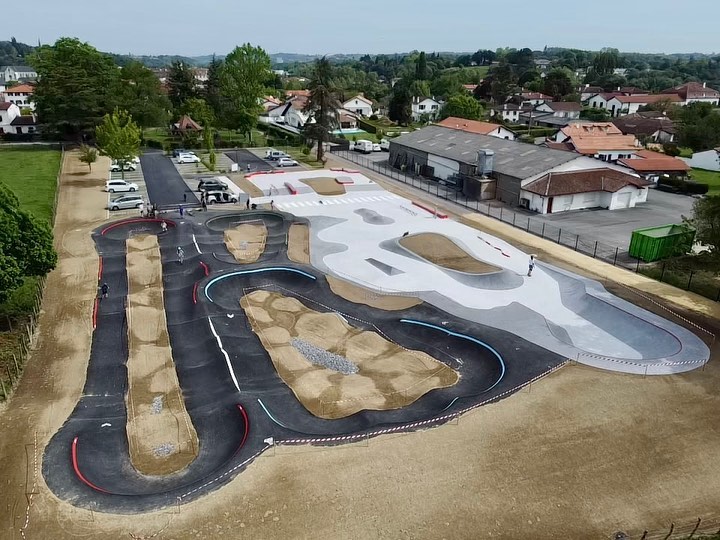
{"x": 590, "y": 138}
{"x": 469, "y": 126}
{"x": 573, "y": 182}
{"x": 649, "y": 161}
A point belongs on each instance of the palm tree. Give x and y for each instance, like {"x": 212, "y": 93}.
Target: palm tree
{"x": 323, "y": 104}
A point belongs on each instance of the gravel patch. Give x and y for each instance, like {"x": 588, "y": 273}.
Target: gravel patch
{"x": 165, "y": 449}
{"x": 321, "y": 357}
{"x": 157, "y": 404}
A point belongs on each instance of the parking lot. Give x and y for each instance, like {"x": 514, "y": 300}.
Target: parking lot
{"x": 135, "y": 177}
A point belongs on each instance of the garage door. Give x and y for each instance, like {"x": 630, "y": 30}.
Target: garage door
{"x": 623, "y": 200}
{"x": 443, "y": 167}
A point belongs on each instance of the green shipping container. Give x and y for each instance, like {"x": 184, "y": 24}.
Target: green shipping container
{"x": 655, "y": 243}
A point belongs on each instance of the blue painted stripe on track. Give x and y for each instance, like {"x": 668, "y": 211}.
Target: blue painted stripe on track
{"x": 271, "y": 416}
{"x": 463, "y": 336}
{"x": 256, "y": 271}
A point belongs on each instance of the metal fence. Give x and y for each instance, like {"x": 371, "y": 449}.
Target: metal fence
{"x": 525, "y": 220}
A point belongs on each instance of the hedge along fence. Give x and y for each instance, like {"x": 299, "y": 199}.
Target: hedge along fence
{"x": 366, "y": 126}
{"x": 280, "y": 135}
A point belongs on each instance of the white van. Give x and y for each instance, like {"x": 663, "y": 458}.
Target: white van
{"x": 274, "y": 155}
{"x": 366, "y": 147}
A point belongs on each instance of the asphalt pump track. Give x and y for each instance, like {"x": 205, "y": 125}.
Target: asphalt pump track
{"x": 238, "y": 404}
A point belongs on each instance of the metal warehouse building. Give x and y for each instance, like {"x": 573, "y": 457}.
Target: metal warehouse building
{"x": 448, "y": 154}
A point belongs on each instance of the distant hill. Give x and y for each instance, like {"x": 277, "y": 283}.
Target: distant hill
{"x": 13, "y": 53}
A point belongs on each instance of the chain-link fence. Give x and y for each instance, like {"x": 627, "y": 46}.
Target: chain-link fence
{"x": 525, "y": 220}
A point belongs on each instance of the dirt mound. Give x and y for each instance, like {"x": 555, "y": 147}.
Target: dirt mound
{"x": 325, "y": 186}
{"x": 299, "y": 243}
{"x": 388, "y": 377}
{"x": 246, "y": 242}
{"x": 441, "y": 250}
{"x": 161, "y": 436}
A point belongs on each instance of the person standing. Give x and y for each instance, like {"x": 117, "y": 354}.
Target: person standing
{"x": 141, "y": 207}
{"x": 203, "y": 204}
{"x": 104, "y": 290}
{"x": 181, "y": 210}
{"x": 531, "y": 265}
{"x": 272, "y": 205}
{"x": 163, "y": 226}
{"x": 181, "y": 254}
{"x": 184, "y": 197}
{"x": 247, "y": 204}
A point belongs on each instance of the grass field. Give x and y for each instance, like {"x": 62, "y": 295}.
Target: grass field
{"x": 31, "y": 174}
{"x": 711, "y": 178}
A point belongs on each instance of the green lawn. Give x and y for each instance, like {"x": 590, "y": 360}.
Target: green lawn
{"x": 711, "y": 178}
{"x": 31, "y": 174}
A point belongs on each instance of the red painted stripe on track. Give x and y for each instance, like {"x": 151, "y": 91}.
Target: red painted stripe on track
{"x": 247, "y": 425}
{"x": 137, "y": 220}
{"x": 206, "y": 268}
{"x": 77, "y": 468}
{"x": 291, "y": 189}
{"x": 195, "y": 293}
{"x": 95, "y": 311}
{"x": 428, "y": 209}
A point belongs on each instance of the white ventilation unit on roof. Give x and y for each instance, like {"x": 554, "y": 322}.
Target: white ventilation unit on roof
{"x": 485, "y": 161}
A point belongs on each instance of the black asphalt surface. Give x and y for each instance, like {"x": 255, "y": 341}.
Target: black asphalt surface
{"x": 212, "y": 400}
{"x": 245, "y": 157}
{"x": 164, "y": 184}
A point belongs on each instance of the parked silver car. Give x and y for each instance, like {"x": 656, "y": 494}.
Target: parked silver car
{"x": 125, "y": 202}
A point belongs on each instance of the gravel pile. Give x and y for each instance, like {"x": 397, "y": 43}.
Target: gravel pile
{"x": 321, "y": 357}
{"x": 157, "y": 404}
{"x": 165, "y": 449}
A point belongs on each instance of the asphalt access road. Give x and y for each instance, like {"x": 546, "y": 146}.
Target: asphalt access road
{"x": 164, "y": 184}
{"x": 238, "y": 401}
{"x": 244, "y": 158}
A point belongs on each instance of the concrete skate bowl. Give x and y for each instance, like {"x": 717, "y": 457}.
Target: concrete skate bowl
{"x": 373, "y": 218}
{"x": 274, "y": 238}
{"x": 653, "y": 339}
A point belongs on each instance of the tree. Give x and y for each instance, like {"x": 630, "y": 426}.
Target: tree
{"x": 242, "y": 85}
{"x": 463, "y": 106}
{"x": 181, "y": 84}
{"x": 212, "y": 86}
{"x": 118, "y": 137}
{"x": 400, "y": 107}
{"x": 699, "y": 126}
{"x": 421, "y": 68}
{"x": 139, "y": 92}
{"x": 323, "y": 104}
{"x": 26, "y": 245}
{"x": 606, "y": 61}
{"x": 88, "y": 155}
{"x": 706, "y": 221}
{"x": 558, "y": 84}
{"x": 595, "y": 114}
{"x": 199, "y": 110}
{"x": 75, "y": 85}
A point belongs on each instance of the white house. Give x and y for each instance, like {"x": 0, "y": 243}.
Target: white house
{"x": 708, "y": 160}
{"x": 600, "y": 101}
{"x": 359, "y": 105}
{"x": 561, "y": 109}
{"x": 534, "y": 98}
{"x": 20, "y": 95}
{"x": 17, "y": 73}
{"x": 587, "y": 91}
{"x": 509, "y": 112}
{"x": 622, "y": 105}
{"x": 576, "y": 190}
{"x": 8, "y": 112}
{"x": 425, "y": 106}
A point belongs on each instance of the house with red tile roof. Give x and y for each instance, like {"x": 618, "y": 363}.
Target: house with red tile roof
{"x": 693, "y": 92}
{"x": 479, "y": 128}
{"x": 577, "y": 190}
{"x": 621, "y": 105}
{"x": 20, "y": 95}
{"x": 601, "y": 140}
{"x": 651, "y": 124}
{"x": 651, "y": 165}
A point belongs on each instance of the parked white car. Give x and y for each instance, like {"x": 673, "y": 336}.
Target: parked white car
{"x": 366, "y": 147}
{"x": 188, "y": 158}
{"x": 286, "y": 162}
{"x": 377, "y": 147}
{"x": 385, "y": 145}
{"x": 125, "y": 202}
{"x": 127, "y": 166}
{"x": 119, "y": 186}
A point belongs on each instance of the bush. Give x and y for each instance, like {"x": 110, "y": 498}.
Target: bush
{"x": 374, "y": 117}
{"x": 671, "y": 149}
{"x": 305, "y": 150}
{"x": 697, "y": 188}
{"x": 152, "y": 143}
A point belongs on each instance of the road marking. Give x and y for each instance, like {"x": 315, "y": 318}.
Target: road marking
{"x": 225, "y": 354}
{"x": 196, "y": 244}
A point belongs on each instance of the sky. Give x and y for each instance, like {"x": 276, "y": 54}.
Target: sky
{"x": 199, "y": 27}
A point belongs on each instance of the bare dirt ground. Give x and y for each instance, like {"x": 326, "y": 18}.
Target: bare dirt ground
{"x": 325, "y": 186}
{"x": 246, "y": 185}
{"x": 389, "y": 376}
{"x": 299, "y": 243}
{"x": 161, "y": 436}
{"x": 246, "y": 242}
{"x": 441, "y": 250}
{"x": 580, "y": 454}
{"x": 359, "y": 295}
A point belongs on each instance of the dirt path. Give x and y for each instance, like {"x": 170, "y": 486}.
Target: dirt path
{"x": 246, "y": 242}
{"x": 387, "y": 375}
{"x": 161, "y": 436}
{"x": 299, "y": 243}
{"x": 441, "y": 250}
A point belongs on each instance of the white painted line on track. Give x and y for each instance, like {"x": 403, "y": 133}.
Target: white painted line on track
{"x": 196, "y": 244}
{"x": 225, "y": 354}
